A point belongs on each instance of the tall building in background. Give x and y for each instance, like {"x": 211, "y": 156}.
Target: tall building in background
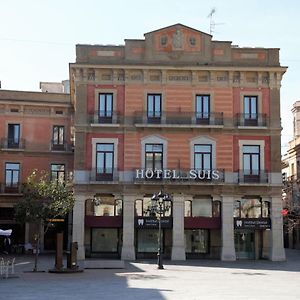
{"x": 35, "y": 133}
{"x": 196, "y": 118}
{"x": 291, "y": 180}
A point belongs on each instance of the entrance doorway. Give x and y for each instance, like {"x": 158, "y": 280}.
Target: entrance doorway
{"x": 244, "y": 244}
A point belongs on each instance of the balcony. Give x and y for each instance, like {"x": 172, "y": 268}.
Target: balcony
{"x": 100, "y": 175}
{"x": 169, "y": 119}
{"x": 10, "y": 143}
{"x": 11, "y": 188}
{"x": 65, "y": 147}
{"x": 104, "y": 118}
{"x": 248, "y": 176}
{"x": 182, "y": 176}
{"x": 251, "y": 120}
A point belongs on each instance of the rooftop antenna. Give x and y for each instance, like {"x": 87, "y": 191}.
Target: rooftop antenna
{"x": 212, "y": 23}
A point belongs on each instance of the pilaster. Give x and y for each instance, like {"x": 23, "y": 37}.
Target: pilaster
{"x": 128, "y": 249}
{"x": 228, "y": 249}
{"x": 78, "y": 225}
{"x": 277, "y": 252}
{"x": 178, "y": 247}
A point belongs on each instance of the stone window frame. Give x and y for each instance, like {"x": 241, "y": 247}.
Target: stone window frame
{"x": 257, "y": 94}
{"x": 154, "y": 92}
{"x": 105, "y": 91}
{"x": 154, "y": 139}
{"x": 96, "y": 141}
{"x": 260, "y": 143}
{"x": 209, "y": 93}
{"x": 206, "y": 141}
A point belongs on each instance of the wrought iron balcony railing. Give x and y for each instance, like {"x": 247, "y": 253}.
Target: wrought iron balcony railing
{"x": 100, "y": 174}
{"x": 179, "y": 118}
{"x": 253, "y": 176}
{"x": 255, "y": 120}
{"x": 104, "y": 117}
{"x": 61, "y": 146}
{"x": 10, "y": 143}
{"x": 11, "y": 188}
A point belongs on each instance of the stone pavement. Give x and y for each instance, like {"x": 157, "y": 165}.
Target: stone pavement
{"x": 193, "y": 279}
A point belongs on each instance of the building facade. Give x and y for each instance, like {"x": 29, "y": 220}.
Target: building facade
{"x": 35, "y": 133}
{"x": 291, "y": 188}
{"x": 196, "y": 118}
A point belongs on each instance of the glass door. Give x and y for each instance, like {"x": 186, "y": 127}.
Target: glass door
{"x": 244, "y": 245}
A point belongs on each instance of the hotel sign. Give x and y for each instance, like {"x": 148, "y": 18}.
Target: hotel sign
{"x": 152, "y": 222}
{"x": 252, "y": 223}
{"x": 168, "y": 174}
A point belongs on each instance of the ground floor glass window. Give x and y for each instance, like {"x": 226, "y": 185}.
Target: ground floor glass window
{"x": 147, "y": 240}
{"x": 104, "y": 240}
{"x": 196, "y": 241}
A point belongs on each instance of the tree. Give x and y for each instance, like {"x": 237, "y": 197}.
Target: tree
{"x": 43, "y": 200}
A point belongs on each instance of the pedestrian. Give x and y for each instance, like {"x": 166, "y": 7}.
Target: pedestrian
{"x": 7, "y": 245}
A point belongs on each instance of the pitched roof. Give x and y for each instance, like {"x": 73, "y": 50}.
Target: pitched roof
{"x": 174, "y": 25}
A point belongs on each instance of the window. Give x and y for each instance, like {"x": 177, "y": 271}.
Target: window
{"x": 105, "y": 107}
{"x": 202, "y": 109}
{"x": 58, "y": 172}
{"x": 154, "y": 156}
{"x": 147, "y": 240}
{"x": 108, "y": 206}
{"x": 13, "y": 134}
{"x": 105, "y": 240}
{"x": 196, "y": 241}
{"x": 143, "y": 208}
{"x": 12, "y": 176}
{"x": 202, "y": 207}
{"x": 58, "y": 137}
{"x": 104, "y": 161}
{"x": 250, "y": 110}
{"x": 154, "y": 108}
{"x": 251, "y": 208}
{"x": 203, "y": 157}
{"x": 251, "y": 162}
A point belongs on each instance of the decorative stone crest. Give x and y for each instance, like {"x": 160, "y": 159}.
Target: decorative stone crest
{"x": 177, "y": 39}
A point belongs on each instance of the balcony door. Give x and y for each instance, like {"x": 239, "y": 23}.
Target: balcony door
{"x": 250, "y": 110}
{"x": 154, "y": 108}
{"x": 251, "y": 163}
{"x": 105, "y": 107}
{"x": 13, "y": 136}
{"x": 12, "y": 177}
{"x": 104, "y": 161}
{"x": 202, "y": 109}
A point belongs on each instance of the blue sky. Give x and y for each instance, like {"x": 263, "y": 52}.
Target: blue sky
{"x": 38, "y": 37}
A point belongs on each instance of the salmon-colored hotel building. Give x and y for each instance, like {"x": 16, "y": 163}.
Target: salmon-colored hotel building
{"x": 196, "y": 118}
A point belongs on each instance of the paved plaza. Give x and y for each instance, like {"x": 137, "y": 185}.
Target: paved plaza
{"x": 197, "y": 279}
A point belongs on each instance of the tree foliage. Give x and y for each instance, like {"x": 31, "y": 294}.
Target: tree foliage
{"x": 44, "y": 200}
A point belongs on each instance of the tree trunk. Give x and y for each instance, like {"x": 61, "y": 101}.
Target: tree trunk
{"x": 37, "y": 248}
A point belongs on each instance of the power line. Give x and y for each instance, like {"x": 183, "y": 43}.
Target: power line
{"x": 38, "y": 42}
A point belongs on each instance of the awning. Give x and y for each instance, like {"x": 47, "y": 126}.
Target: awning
{"x": 5, "y": 232}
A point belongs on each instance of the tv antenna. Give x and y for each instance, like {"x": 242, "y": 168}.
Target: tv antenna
{"x": 212, "y": 23}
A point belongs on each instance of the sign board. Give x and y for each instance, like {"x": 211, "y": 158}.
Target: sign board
{"x": 252, "y": 223}
{"x": 152, "y": 222}
{"x": 168, "y": 174}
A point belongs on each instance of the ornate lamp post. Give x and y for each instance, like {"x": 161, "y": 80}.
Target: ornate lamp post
{"x": 159, "y": 206}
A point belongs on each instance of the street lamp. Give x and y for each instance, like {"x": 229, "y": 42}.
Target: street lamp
{"x": 158, "y": 206}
